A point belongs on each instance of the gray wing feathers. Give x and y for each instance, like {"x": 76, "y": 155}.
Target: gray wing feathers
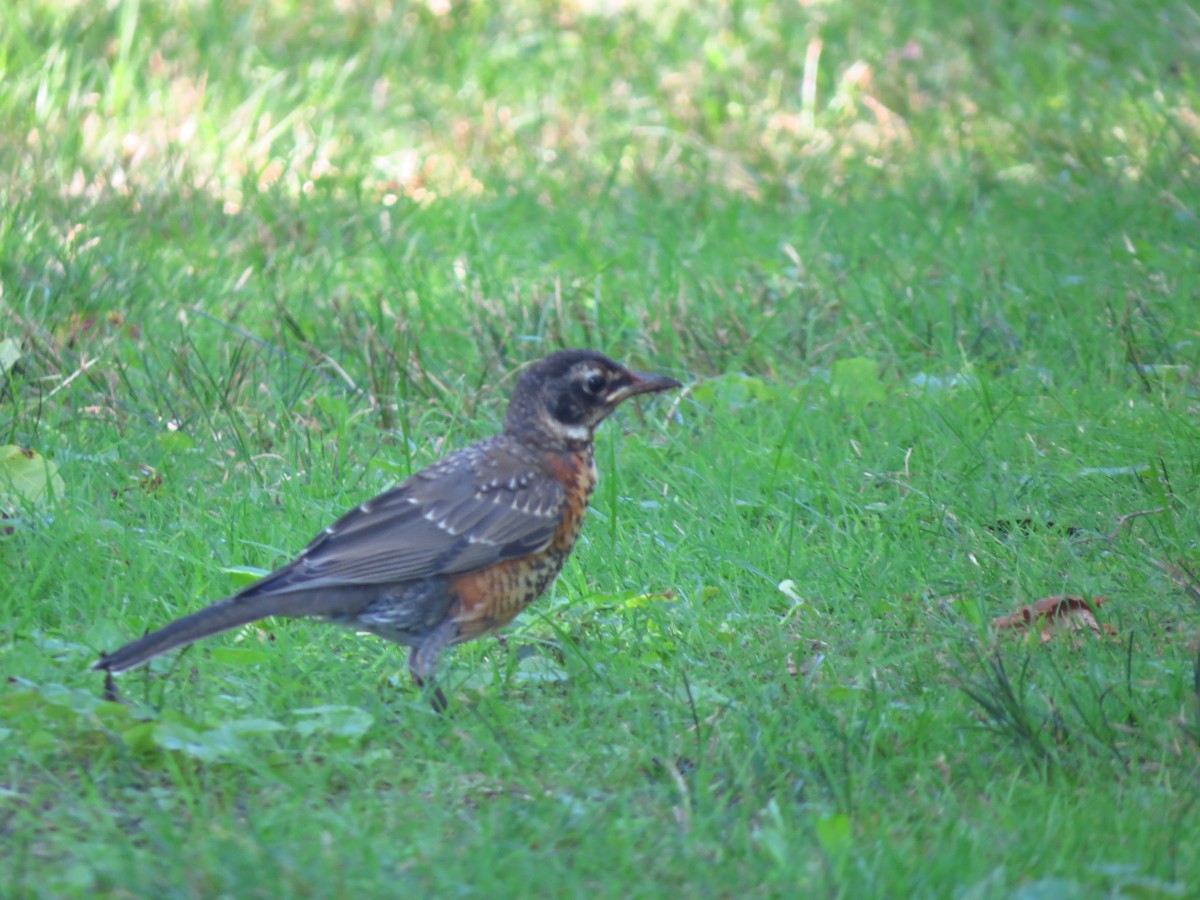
{"x": 457, "y": 516}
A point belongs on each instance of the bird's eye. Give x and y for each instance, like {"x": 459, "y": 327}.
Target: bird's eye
{"x": 595, "y": 383}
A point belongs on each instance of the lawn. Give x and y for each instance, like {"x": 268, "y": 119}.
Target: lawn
{"x": 930, "y": 272}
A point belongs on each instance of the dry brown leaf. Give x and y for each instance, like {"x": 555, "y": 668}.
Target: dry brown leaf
{"x": 810, "y": 663}
{"x": 1061, "y": 612}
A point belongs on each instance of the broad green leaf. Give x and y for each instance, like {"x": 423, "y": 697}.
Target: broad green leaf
{"x": 140, "y": 738}
{"x": 856, "y": 381}
{"x": 207, "y": 746}
{"x": 339, "y": 721}
{"x": 738, "y": 390}
{"x": 253, "y": 725}
{"x": 833, "y": 833}
{"x": 26, "y": 477}
{"x": 539, "y": 669}
{"x": 15, "y": 703}
{"x": 114, "y": 716}
{"x": 77, "y": 701}
{"x": 239, "y": 656}
{"x": 336, "y": 408}
{"x": 244, "y": 575}
{"x": 174, "y": 441}
{"x": 10, "y": 355}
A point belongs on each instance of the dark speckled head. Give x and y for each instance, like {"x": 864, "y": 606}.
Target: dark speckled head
{"x": 564, "y": 396}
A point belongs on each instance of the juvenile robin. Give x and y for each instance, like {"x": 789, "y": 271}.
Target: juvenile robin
{"x": 456, "y": 550}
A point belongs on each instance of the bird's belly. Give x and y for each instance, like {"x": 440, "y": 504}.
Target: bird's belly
{"x": 404, "y": 613}
{"x": 491, "y": 598}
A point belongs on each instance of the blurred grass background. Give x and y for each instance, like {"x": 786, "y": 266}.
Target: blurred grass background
{"x": 931, "y": 272}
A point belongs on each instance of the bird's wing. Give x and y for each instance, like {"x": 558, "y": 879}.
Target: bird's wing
{"x": 479, "y": 506}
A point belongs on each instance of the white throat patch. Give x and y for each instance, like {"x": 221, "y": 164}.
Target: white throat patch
{"x": 574, "y": 432}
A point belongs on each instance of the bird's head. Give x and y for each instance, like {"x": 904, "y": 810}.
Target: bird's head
{"x": 565, "y": 395}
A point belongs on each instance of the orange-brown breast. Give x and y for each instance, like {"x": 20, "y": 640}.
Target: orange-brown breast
{"x": 491, "y": 598}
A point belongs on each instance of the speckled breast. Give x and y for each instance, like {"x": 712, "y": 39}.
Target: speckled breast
{"x": 502, "y": 591}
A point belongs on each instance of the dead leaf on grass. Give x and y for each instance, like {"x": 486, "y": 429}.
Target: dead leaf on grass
{"x": 1061, "y": 612}
{"x": 809, "y": 665}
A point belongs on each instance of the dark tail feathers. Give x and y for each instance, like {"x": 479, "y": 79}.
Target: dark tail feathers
{"x": 221, "y": 616}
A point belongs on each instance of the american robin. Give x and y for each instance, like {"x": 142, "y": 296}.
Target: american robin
{"x": 456, "y": 550}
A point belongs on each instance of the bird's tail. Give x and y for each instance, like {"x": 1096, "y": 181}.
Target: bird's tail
{"x": 221, "y": 616}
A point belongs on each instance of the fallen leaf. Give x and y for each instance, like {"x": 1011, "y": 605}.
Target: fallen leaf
{"x": 26, "y": 477}
{"x": 10, "y": 355}
{"x": 856, "y": 381}
{"x": 1061, "y": 612}
{"x": 809, "y": 664}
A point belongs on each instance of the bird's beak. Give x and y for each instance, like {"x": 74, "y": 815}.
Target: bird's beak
{"x": 642, "y": 383}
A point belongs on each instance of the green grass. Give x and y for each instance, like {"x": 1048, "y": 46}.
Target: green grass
{"x": 929, "y": 272}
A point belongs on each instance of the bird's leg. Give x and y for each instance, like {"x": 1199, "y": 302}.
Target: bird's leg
{"x": 424, "y": 657}
{"x": 110, "y": 689}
